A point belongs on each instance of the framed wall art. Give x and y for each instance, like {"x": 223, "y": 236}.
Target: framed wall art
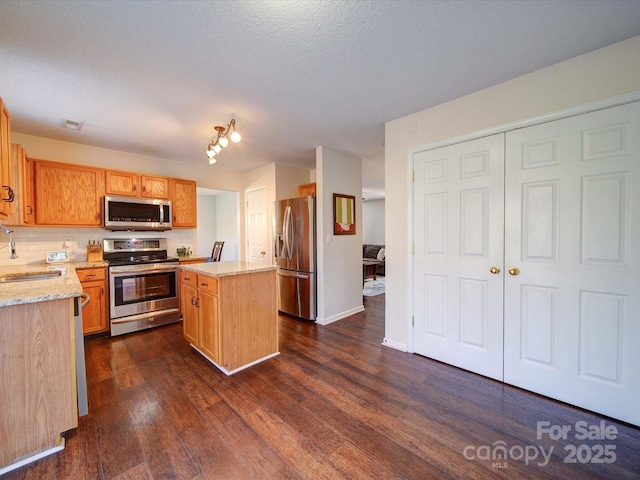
{"x": 344, "y": 214}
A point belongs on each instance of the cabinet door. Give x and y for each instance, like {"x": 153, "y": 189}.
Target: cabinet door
{"x": 94, "y": 314}
{"x": 68, "y": 194}
{"x": 189, "y": 309}
{"x": 122, "y": 183}
{"x": 5, "y": 163}
{"x": 154, "y": 187}
{"x": 183, "y": 196}
{"x": 209, "y": 326}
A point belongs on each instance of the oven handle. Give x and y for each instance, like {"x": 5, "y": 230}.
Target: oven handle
{"x": 144, "y": 316}
{"x": 142, "y": 270}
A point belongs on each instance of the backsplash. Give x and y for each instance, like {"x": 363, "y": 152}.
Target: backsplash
{"x": 33, "y": 243}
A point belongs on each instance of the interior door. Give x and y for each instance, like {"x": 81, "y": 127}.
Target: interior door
{"x": 257, "y": 226}
{"x": 458, "y": 282}
{"x": 572, "y": 328}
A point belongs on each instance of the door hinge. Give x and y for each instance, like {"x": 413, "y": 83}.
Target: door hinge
{"x": 413, "y": 321}
{"x": 413, "y": 175}
{"x": 413, "y": 249}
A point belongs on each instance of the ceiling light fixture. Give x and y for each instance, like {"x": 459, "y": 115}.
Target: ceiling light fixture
{"x": 223, "y": 135}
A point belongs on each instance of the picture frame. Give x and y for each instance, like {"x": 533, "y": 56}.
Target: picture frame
{"x": 344, "y": 214}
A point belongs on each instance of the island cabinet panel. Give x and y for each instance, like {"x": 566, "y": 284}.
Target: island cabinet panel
{"x": 94, "y": 314}
{"x": 183, "y": 197}
{"x": 154, "y": 187}
{"x": 209, "y": 326}
{"x": 37, "y": 378}
{"x": 189, "y": 307}
{"x": 122, "y": 183}
{"x": 68, "y": 194}
{"x": 232, "y": 319}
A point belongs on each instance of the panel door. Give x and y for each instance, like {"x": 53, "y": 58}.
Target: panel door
{"x": 458, "y": 219}
{"x": 257, "y": 226}
{"x": 209, "y": 325}
{"x": 572, "y": 329}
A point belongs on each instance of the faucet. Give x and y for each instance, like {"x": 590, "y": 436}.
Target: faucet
{"x": 12, "y": 244}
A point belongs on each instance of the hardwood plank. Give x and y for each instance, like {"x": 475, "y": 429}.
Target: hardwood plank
{"x": 334, "y": 404}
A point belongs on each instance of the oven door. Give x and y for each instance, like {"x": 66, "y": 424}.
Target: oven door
{"x": 141, "y": 289}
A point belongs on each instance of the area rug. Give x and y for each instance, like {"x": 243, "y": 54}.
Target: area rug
{"x": 373, "y": 287}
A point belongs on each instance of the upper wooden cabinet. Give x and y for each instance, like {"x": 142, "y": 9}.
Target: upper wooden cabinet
{"x": 7, "y": 193}
{"x": 136, "y": 185}
{"x": 68, "y": 194}
{"x": 306, "y": 190}
{"x": 155, "y": 187}
{"x": 183, "y": 196}
{"x": 122, "y": 183}
{"x": 21, "y": 168}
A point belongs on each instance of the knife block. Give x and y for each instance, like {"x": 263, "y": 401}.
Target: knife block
{"x": 94, "y": 253}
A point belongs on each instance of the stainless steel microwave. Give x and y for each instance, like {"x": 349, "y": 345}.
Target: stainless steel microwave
{"x": 137, "y": 214}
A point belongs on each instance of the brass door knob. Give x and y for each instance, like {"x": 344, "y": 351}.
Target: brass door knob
{"x": 514, "y": 271}
{"x": 495, "y": 270}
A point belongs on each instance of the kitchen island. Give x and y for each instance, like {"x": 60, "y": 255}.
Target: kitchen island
{"x": 37, "y": 361}
{"x": 230, "y": 312}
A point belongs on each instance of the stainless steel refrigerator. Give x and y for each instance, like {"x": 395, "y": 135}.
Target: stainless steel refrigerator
{"x": 295, "y": 255}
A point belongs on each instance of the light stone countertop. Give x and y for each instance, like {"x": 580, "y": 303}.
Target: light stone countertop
{"x": 224, "y": 269}
{"x": 65, "y": 286}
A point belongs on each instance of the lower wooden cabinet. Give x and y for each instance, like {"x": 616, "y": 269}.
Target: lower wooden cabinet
{"x": 188, "y": 306}
{"x": 94, "y": 316}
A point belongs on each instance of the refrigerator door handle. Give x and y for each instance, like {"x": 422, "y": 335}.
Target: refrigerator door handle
{"x": 285, "y": 273}
{"x": 288, "y": 232}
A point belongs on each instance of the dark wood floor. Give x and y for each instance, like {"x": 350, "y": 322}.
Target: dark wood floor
{"x": 334, "y": 404}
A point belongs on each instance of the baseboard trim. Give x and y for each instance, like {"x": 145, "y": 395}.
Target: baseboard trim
{"x": 339, "y": 316}
{"x": 395, "y": 345}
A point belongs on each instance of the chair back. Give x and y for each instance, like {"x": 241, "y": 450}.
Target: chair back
{"x": 217, "y": 251}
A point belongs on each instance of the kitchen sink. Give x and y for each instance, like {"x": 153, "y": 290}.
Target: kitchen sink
{"x": 28, "y": 277}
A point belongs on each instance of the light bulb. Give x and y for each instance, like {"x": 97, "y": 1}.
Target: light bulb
{"x": 224, "y": 141}
{"x": 235, "y": 137}
{"x": 217, "y": 148}
{"x": 211, "y": 153}
{"x": 212, "y": 161}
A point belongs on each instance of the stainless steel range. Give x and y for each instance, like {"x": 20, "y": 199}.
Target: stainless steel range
{"x": 143, "y": 284}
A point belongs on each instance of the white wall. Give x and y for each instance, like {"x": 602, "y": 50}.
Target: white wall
{"x": 228, "y": 225}
{"x": 596, "y": 75}
{"x": 373, "y": 222}
{"x": 206, "y": 232}
{"x": 339, "y": 273}
{"x": 287, "y": 180}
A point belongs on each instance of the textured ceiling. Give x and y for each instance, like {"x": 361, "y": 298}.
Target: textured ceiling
{"x": 155, "y": 77}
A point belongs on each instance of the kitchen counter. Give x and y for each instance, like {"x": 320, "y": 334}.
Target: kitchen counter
{"x": 16, "y": 293}
{"x": 223, "y": 269}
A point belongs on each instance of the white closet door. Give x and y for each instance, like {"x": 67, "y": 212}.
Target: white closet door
{"x": 572, "y": 313}
{"x": 458, "y": 220}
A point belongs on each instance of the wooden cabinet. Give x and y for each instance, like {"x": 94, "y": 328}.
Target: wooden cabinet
{"x": 68, "y": 194}
{"x": 306, "y": 190}
{"x": 132, "y": 184}
{"x": 231, "y": 319}
{"x": 94, "y": 314}
{"x": 7, "y": 193}
{"x": 21, "y": 169}
{"x": 183, "y": 197}
{"x": 188, "y": 306}
{"x": 154, "y": 187}
{"x": 37, "y": 378}
{"x": 122, "y": 183}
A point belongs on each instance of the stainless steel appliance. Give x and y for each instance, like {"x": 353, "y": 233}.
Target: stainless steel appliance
{"x": 295, "y": 255}
{"x": 138, "y": 214}
{"x": 143, "y": 284}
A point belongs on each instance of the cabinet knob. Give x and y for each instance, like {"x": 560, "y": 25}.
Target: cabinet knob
{"x": 204, "y": 284}
{"x": 514, "y": 271}
{"x": 495, "y": 270}
{"x": 10, "y": 194}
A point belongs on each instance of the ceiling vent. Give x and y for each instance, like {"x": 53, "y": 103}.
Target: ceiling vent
{"x": 71, "y": 125}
